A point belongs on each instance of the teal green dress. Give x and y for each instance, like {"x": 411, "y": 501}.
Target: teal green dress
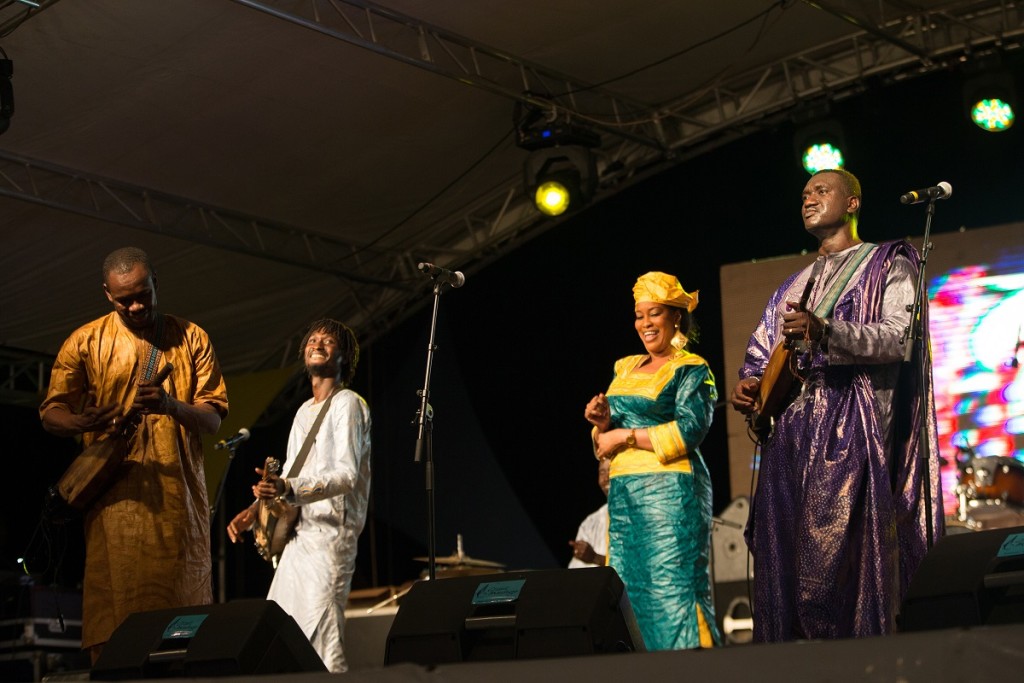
{"x": 659, "y": 504}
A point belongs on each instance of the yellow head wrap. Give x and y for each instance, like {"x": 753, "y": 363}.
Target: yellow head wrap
{"x": 662, "y": 288}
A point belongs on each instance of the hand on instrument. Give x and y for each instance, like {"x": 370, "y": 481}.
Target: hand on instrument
{"x": 151, "y": 400}
{"x": 598, "y": 413}
{"x": 801, "y": 325}
{"x": 63, "y": 420}
{"x": 270, "y": 487}
{"x": 242, "y": 522}
{"x": 99, "y": 418}
{"x": 744, "y": 395}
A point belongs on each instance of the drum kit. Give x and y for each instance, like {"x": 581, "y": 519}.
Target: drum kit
{"x": 990, "y": 494}
{"x": 456, "y": 564}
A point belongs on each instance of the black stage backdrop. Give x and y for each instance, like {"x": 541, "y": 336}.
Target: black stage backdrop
{"x": 527, "y": 341}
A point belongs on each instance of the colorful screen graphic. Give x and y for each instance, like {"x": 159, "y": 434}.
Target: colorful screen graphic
{"x": 976, "y": 313}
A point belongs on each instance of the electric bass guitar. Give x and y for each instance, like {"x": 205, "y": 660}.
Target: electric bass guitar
{"x": 275, "y": 520}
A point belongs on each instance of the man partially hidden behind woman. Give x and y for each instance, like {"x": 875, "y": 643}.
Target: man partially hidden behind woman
{"x": 650, "y": 423}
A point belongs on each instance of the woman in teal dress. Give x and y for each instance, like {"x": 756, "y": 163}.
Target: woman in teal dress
{"x": 650, "y": 423}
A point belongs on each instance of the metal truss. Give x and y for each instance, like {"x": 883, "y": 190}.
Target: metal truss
{"x": 414, "y": 42}
{"x": 13, "y": 13}
{"x": 901, "y": 42}
{"x": 911, "y": 45}
{"x": 24, "y": 376}
{"x": 645, "y": 139}
{"x": 914, "y": 40}
{"x": 143, "y": 208}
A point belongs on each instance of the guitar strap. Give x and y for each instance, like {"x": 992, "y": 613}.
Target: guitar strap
{"x": 828, "y": 302}
{"x": 149, "y": 367}
{"x": 300, "y": 458}
{"x": 771, "y": 395}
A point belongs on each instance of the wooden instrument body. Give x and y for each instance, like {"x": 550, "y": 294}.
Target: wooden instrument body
{"x": 776, "y": 384}
{"x": 275, "y": 520}
{"x": 777, "y": 381}
{"x": 94, "y": 469}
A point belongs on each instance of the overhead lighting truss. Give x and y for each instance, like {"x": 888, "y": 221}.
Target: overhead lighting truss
{"x": 914, "y": 43}
{"x": 16, "y": 12}
{"x": 24, "y": 377}
{"x": 143, "y": 208}
{"x": 641, "y": 139}
{"x": 637, "y": 139}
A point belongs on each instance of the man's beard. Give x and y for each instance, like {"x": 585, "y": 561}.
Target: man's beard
{"x": 322, "y": 370}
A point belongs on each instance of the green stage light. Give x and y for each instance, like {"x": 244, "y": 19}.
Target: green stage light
{"x": 552, "y": 198}
{"x": 989, "y": 96}
{"x": 821, "y": 156}
{"x": 993, "y": 115}
{"x": 818, "y": 144}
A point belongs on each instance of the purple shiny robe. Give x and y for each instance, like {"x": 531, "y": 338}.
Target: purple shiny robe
{"x": 838, "y": 523}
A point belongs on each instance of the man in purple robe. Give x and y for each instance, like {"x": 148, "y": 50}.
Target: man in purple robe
{"x": 840, "y": 519}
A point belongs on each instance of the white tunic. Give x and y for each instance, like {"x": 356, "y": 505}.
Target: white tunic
{"x": 593, "y": 530}
{"x": 314, "y": 575}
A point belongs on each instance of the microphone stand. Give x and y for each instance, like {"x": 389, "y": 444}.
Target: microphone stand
{"x": 424, "y": 442}
{"x": 217, "y": 512}
{"x": 220, "y": 487}
{"x": 913, "y": 336}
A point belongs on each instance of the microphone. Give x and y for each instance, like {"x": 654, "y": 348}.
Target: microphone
{"x": 941, "y": 191}
{"x": 242, "y": 435}
{"x": 449, "y": 277}
{"x": 819, "y": 265}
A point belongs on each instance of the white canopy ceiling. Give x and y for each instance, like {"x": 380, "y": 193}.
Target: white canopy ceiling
{"x": 288, "y": 159}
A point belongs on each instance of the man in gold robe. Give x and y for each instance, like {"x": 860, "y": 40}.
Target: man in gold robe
{"x": 148, "y": 534}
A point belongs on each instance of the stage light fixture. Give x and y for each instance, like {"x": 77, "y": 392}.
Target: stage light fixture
{"x": 560, "y": 179}
{"x": 552, "y": 198}
{"x": 542, "y": 127}
{"x": 819, "y": 146}
{"x": 560, "y": 174}
{"x": 992, "y": 115}
{"x": 989, "y": 99}
{"x": 6, "y": 93}
{"x": 822, "y": 156}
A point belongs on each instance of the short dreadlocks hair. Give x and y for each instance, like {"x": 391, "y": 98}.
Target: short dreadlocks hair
{"x": 348, "y": 347}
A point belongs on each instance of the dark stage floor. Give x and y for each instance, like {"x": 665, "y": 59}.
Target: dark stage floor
{"x": 988, "y": 653}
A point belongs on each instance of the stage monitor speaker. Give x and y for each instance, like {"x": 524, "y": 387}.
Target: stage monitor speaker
{"x": 366, "y": 636}
{"x": 968, "y": 579}
{"x": 515, "y": 615}
{"x": 242, "y": 637}
{"x": 730, "y": 560}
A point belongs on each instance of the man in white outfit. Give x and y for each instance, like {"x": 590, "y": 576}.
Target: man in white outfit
{"x": 314, "y": 575}
{"x": 591, "y": 545}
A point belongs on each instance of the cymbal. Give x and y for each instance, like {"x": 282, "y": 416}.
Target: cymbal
{"x": 461, "y": 561}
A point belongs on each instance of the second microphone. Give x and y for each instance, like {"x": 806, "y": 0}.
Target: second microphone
{"x": 450, "y": 277}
